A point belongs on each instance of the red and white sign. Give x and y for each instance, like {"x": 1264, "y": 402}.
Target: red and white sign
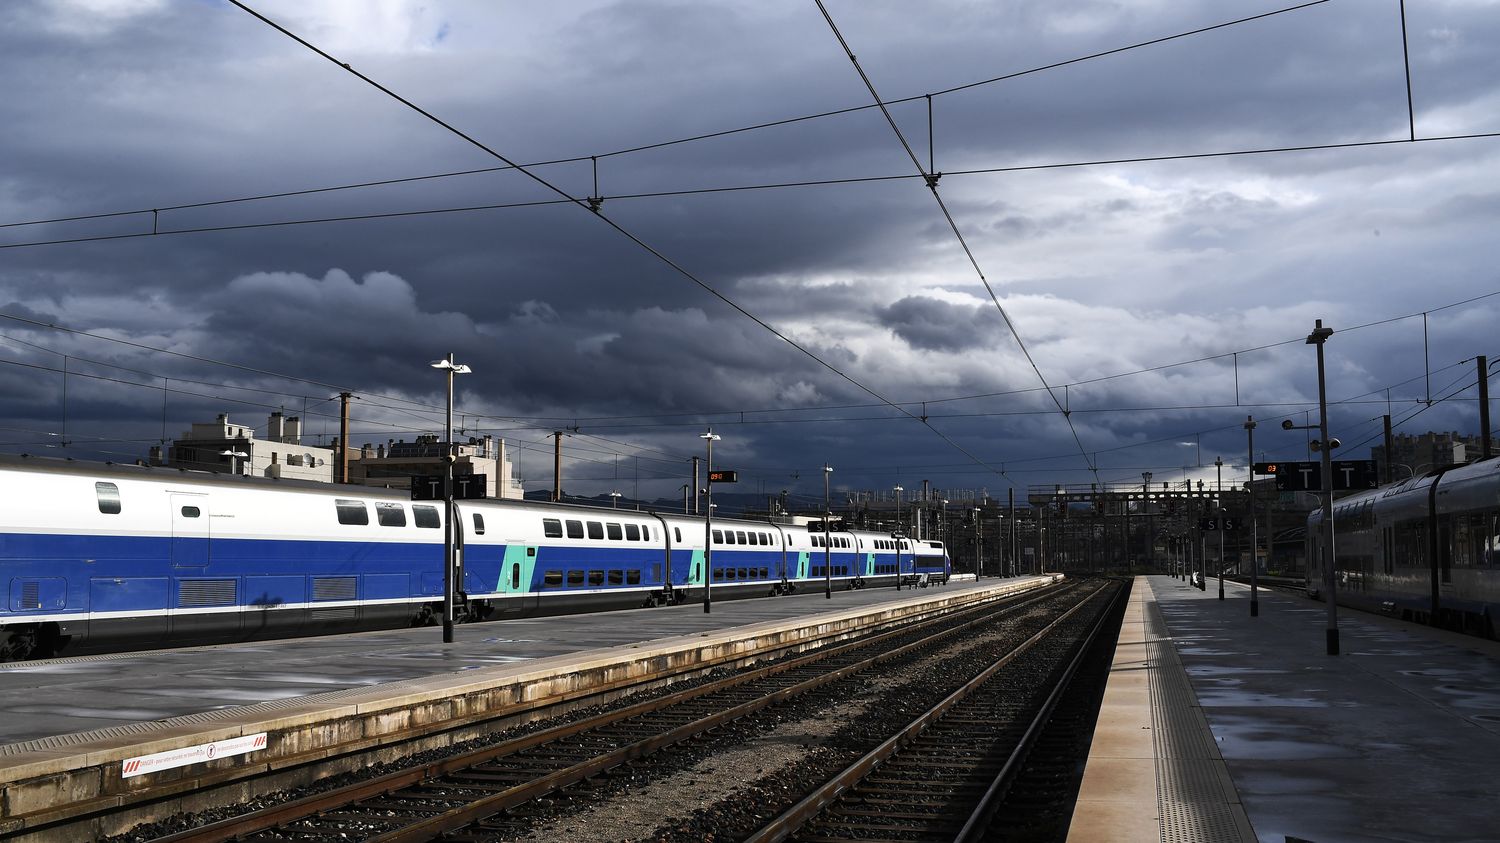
{"x": 191, "y": 755}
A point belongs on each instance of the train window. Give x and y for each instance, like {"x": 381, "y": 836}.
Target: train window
{"x": 426, "y": 516}
{"x": 740, "y": 534}
{"x": 575, "y": 578}
{"x": 645, "y": 533}
{"x": 596, "y": 578}
{"x": 764, "y": 573}
{"x": 817, "y": 541}
{"x": 552, "y": 579}
{"x": 575, "y": 529}
{"x": 191, "y": 512}
{"x": 390, "y": 514}
{"x": 596, "y": 530}
{"x": 478, "y": 524}
{"x": 515, "y": 575}
{"x": 109, "y": 498}
{"x": 351, "y": 512}
{"x": 634, "y": 577}
{"x": 677, "y": 532}
{"x": 718, "y": 537}
{"x": 632, "y": 533}
{"x": 617, "y": 577}
{"x": 744, "y": 575}
{"x": 718, "y": 573}
{"x": 552, "y": 528}
{"x": 655, "y": 574}
{"x": 615, "y": 533}
{"x": 531, "y": 551}
{"x": 765, "y": 539}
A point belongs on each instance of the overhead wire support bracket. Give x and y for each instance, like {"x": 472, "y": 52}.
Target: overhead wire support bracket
{"x": 932, "y": 179}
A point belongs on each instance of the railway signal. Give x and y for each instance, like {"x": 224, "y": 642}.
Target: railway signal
{"x": 723, "y": 477}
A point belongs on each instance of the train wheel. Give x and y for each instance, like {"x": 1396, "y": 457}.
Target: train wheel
{"x": 17, "y": 644}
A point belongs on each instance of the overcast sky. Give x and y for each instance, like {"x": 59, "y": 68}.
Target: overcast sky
{"x": 1103, "y": 269}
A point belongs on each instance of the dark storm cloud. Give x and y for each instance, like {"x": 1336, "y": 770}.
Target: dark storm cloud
{"x": 934, "y": 325}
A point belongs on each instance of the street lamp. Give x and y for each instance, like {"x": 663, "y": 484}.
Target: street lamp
{"x": 1254, "y": 535}
{"x": 234, "y": 460}
{"x": 708, "y": 528}
{"x": 978, "y": 559}
{"x": 898, "y": 534}
{"x": 827, "y": 553}
{"x": 614, "y": 500}
{"x": 1146, "y": 504}
{"x": 1202, "y": 542}
{"x": 1318, "y": 336}
{"x": 1219, "y": 502}
{"x": 452, "y": 369}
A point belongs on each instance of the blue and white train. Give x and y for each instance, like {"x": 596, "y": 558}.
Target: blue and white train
{"x": 1426, "y": 548}
{"x": 97, "y": 557}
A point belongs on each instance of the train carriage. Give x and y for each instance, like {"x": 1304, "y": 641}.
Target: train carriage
{"x": 1424, "y": 548}
{"x": 99, "y": 556}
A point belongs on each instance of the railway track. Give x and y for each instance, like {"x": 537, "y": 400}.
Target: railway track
{"x": 946, "y": 775}
{"x": 472, "y": 796}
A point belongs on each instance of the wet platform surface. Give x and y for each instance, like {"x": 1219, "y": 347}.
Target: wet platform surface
{"x": 44, "y": 699}
{"x": 1397, "y": 738}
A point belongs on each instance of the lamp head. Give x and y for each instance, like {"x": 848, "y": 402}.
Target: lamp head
{"x": 1286, "y": 424}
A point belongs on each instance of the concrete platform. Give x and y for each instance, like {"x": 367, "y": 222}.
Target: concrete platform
{"x": 68, "y": 726}
{"x": 1396, "y": 739}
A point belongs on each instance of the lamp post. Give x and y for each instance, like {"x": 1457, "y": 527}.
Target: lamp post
{"x": 614, "y": 500}
{"x": 234, "y": 460}
{"x": 1254, "y": 535}
{"x": 898, "y": 534}
{"x": 708, "y": 527}
{"x": 1202, "y": 542}
{"x": 1219, "y": 506}
{"x": 1318, "y": 336}
{"x": 827, "y": 553}
{"x": 978, "y": 559}
{"x": 1146, "y": 504}
{"x": 449, "y": 584}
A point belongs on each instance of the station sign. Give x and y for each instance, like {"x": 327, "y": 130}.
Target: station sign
{"x": 723, "y": 476}
{"x": 1308, "y": 476}
{"x": 466, "y": 487}
{"x": 1214, "y": 525}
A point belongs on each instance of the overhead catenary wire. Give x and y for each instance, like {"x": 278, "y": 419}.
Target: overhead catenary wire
{"x": 210, "y": 229}
{"x": 598, "y": 212}
{"x": 593, "y": 158}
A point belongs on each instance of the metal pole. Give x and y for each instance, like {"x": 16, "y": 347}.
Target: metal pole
{"x": 1389, "y": 445}
{"x": 708, "y": 527}
{"x": 1219, "y": 495}
{"x": 1319, "y": 335}
{"x": 827, "y": 553}
{"x": 897, "y": 534}
{"x": 1146, "y": 505}
{"x": 1254, "y": 534}
{"x": 556, "y": 465}
{"x": 1014, "y": 547}
{"x": 1484, "y": 407}
{"x": 343, "y": 437}
{"x": 697, "y": 490}
{"x": 448, "y": 512}
{"x": 978, "y": 559}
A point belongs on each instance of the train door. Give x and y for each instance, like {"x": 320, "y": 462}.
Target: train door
{"x": 204, "y": 605}
{"x": 516, "y": 571}
{"x": 189, "y": 533}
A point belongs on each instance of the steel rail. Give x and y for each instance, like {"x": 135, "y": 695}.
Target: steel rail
{"x": 265, "y": 819}
{"x": 977, "y": 826}
{"x": 794, "y": 818}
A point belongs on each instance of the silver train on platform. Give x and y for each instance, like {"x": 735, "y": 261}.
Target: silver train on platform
{"x": 96, "y": 557}
{"x": 1425, "y": 549}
